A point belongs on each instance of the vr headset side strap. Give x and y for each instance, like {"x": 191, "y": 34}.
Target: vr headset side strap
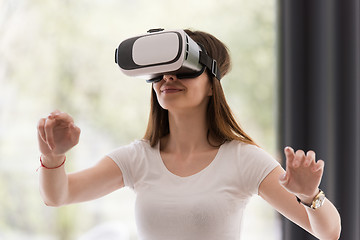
{"x": 211, "y": 64}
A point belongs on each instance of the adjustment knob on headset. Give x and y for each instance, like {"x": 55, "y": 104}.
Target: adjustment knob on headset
{"x": 155, "y": 30}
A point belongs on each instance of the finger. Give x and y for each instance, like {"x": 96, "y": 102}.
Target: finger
{"x": 319, "y": 165}
{"x": 76, "y": 131}
{"x": 64, "y": 117}
{"x": 289, "y": 154}
{"x": 299, "y": 158}
{"x": 53, "y": 113}
{"x": 49, "y": 134}
{"x": 40, "y": 128}
{"x": 309, "y": 159}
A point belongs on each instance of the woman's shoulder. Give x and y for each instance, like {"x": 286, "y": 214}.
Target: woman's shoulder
{"x": 245, "y": 150}
{"x": 143, "y": 143}
{"x": 138, "y": 143}
{"x": 241, "y": 146}
{"x": 134, "y": 147}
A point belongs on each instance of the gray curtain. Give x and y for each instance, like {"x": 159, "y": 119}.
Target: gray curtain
{"x": 319, "y": 98}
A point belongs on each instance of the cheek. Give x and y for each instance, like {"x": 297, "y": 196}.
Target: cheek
{"x": 197, "y": 96}
{"x": 156, "y": 88}
{"x": 202, "y": 90}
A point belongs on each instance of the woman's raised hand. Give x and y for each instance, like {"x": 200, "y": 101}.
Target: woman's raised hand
{"x": 57, "y": 134}
{"x": 303, "y": 174}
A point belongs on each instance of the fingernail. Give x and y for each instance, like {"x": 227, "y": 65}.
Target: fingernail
{"x": 288, "y": 148}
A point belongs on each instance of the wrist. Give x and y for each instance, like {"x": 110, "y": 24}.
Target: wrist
{"x": 307, "y": 199}
{"x": 316, "y": 202}
{"x": 51, "y": 161}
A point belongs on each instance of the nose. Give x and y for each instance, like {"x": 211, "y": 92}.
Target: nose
{"x": 169, "y": 77}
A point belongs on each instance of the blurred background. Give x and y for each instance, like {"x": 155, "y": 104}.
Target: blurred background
{"x": 60, "y": 55}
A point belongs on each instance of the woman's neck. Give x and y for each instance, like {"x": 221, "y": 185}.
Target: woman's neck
{"x": 188, "y": 133}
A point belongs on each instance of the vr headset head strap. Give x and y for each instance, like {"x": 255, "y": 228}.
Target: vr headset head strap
{"x": 210, "y": 63}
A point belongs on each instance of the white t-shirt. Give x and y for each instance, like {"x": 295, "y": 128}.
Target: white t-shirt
{"x": 207, "y": 205}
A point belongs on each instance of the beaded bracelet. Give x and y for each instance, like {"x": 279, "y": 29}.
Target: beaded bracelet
{"x": 42, "y": 165}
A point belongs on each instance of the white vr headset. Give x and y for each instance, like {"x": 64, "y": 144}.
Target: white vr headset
{"x": 162, "y": 52}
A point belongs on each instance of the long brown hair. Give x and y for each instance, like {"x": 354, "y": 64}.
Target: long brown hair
{"x": 222, "y": 125}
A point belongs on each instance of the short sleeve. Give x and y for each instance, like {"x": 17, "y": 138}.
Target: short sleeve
{"x": 127, "y": 157}
{"x": 254, "y": 165}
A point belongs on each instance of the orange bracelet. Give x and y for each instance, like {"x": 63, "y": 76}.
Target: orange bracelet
{"x": 42, "y": 165}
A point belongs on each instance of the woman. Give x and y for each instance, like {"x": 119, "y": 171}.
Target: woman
{"x": 195, "y": 169}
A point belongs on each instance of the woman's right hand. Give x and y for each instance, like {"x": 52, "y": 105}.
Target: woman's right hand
{"x": 57, "y": 134}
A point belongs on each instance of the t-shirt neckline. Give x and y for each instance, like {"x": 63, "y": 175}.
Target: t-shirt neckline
{"x": 202, "y": 171}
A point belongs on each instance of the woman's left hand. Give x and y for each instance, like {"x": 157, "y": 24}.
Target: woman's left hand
{"x": 303, "y": 174}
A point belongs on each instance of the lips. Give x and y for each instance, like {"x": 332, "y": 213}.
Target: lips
{"x": 169, "y": 89}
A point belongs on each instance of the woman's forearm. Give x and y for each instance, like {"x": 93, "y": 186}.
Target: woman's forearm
{"x": 53, "y": 182}
{"x": 325, "y": 221}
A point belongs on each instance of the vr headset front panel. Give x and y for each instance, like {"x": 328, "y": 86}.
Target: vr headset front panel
{"x": 155, "y": 54}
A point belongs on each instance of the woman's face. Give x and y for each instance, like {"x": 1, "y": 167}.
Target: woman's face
{"x": 181, "y": 94}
